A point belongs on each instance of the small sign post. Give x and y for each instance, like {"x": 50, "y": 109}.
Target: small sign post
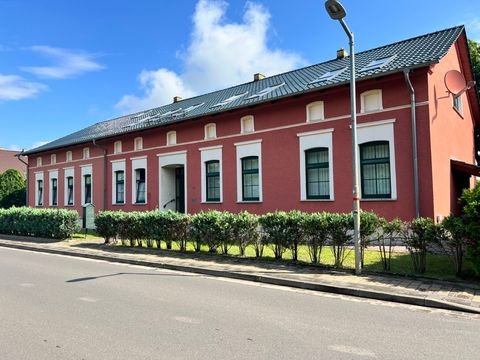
{"x": 88, "y": 221}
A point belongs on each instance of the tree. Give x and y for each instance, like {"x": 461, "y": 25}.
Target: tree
{"x": 474, "y": 48}
{"x": 12, "y": 189}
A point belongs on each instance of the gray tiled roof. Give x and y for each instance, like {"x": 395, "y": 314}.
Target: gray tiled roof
{"x": 415, "y": 52}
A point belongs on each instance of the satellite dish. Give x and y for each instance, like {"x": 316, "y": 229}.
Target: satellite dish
{"x": 456, "y": 84}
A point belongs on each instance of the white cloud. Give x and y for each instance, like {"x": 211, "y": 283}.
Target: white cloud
{"x": 473, "y": 29}
{"x": 13, "y": 87}
{"x": 66, "y": 63}
{"x": 38, "y": 144}
{"x": 220, "y": 54}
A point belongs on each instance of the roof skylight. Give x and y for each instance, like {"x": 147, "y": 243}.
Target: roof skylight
{"x": 149, "y": 116}
{"x": 329, "y": 75}
{"x": 266, "y": 91}
{"x": 229, "y": 100}
{"x": 171, "y": 112}
{"x": 379, "y": 63}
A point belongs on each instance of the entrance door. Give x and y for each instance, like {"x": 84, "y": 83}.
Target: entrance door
{"x": 180, "y": 189}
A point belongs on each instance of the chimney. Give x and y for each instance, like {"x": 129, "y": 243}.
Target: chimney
{"x": 177, "y": 99}
{"x": 342, "y": 53}
{"x": 258, "y": 76}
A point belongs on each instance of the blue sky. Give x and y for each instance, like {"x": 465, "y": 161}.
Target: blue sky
{"x": 65, "y": 65}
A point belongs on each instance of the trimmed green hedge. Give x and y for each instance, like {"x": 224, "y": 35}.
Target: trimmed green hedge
{"x": 45, "y": 223}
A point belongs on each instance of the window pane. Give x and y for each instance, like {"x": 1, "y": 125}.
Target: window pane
{"x": 375, "y": 169}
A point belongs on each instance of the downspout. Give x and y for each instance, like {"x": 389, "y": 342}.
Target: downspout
{"x": 28, "y": 175}
{"x": 414, "y": 142}
{"x": 104, "y": 173}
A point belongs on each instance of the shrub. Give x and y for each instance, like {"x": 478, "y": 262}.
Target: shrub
{"x": 470, "y": 201}
{"x": 390, "y": 231}
{"x": 133, "y": 227}
{"x": 454, "y": 240}
{"x": 340, "y": 231}
{"x": 107, "y": 223}
{"x": 275, "y": 231}
{"x": 169, "y": 226}
{"x": 369, "y": 224}
{"x": 421, "y": 233}
{"x": 206, "y": 228}
{"x": 46, "y": 223}
{"x": 316, "y": 230}
{"x": 12, "y": 189}
{"x": 245, "y": 231}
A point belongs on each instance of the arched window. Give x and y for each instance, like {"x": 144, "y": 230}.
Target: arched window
{"x": 371, "y": 101}
{"x": 210, "y": 131}
{"x": 315, "y": 111}
{"x": 171, "y": 137}
{"x": 247, "y": 124}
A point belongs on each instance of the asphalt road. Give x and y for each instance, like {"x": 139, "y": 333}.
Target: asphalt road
{"x": 54, "y": 307}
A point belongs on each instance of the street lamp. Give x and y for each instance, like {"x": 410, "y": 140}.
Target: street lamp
{"x": 337, "y": 12}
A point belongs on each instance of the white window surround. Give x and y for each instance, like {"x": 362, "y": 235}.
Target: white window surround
{"x": 311, "y": 140}
{"x": 138, "y": 143}
{"x": 86, "y": 170}
{"x": 371, "y": 100}
{"x": 118, "y": 165}
{"x": 86, "y": 153}
{"x": 210, "y": 131}
{"x": 171, "y": 137}
{"x": 117, "y": 147}
{"x": 315, "y": 111}
{"x": 457, "y": 104}
{"x": 210, "y": 154}
{"x": 245, "y": 149}
{"x": 68, "y": 172}
{"x": 52, "y": 174}
{"x": 53, "y": 159}
{"x": 68, "y": 156}
{"x": 167, "y": 183}
{"x": 247, "y": 124}
{"x": 139, "y": 163}
{"x": 39, "y": 161}
{"x": 379, "y": 131}
{"x": 39, "y": 177}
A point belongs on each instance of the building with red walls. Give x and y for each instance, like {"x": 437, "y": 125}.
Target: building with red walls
{"x": 284, "y": 142}
{"x": 8, "y": 160}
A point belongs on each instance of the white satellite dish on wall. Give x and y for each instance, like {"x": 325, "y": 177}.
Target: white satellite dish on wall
{"x": 456, "y": 83}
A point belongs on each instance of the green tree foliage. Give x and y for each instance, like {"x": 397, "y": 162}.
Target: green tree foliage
{"x": 474, "y": 48}
{"x": 471, "y": 219}
{"x": 12, "y": 189}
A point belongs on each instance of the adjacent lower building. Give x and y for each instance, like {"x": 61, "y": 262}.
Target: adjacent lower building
{"x": 284, "y": 142}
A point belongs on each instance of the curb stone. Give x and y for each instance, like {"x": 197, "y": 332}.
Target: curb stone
{"x": 423, "y": 301}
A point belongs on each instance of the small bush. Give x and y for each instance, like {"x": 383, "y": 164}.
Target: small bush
{"x": 315, "y": 230}
{"x": 421, "y": 233}
{"x": 106, "y": 223}
{"x": 245, "y": 232}
{"x": 390, "y": 231}
{"x": 206, "y": 228}
{"x": 340, "y": 231}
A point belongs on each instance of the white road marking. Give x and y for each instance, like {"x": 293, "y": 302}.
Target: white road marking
{"x": 353, "y": 351}
{"x": 27, "y": 285}
{"x": 88, "y": 299}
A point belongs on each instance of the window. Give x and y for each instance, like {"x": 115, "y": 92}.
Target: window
{"x": 54, "y": 191}
{"x": 53, "y": 159}
{"x": 171, "y": 138}
{"x": 329, "y": 75}
{"x": 375, "y": 170}
{"x": 119, "y": 187}
{"x": 212, "y": 171}
{"x": 210, "y": 131}
{"x": 266, "y": 91}
{"x": 457, "y": 104}
{"x": 86, "y": 153}
{"x": 315, "y": 111}
{"x": 117, "y": 147}
{"x": 68, "y": 156}
{"x": 140, "y": 186}
{"x": 87, "y": 183}
{"x": 39, "y": 161}
{"x": 371, "y": 101}
{"x": 138, "y": 143}
{"x": 250, "y": 180}
{"x": 377, "y": 64}
{"x": 247, "y": 124}
{"x": 40, "y": 192}
{"x": 317, "y": 173}
{"x": 69, "y": 190}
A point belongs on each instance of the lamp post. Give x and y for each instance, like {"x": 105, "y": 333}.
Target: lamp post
{"x": 337, "y": 12}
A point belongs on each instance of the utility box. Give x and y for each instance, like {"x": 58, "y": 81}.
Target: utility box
{"x": 88, "y": 218}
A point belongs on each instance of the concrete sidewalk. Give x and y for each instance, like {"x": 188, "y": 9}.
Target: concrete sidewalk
{"x": 460, "y": 296}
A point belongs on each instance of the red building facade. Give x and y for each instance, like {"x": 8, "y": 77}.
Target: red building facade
{"x": 290, "y": 151}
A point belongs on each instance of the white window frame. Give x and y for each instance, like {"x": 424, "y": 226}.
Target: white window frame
{"x": 246, "y": 149}
{"x": 52, "y": 174}
{"x": 365, "y": 94}
{"x": 379, "y": 131}
{"x": 39, "y": 177}
{"x": 53, "y": 159}
{"x": 309, "y": 112}
{"x": 457, "y": 103}
{"x": 209, "y": 126}
{"x": 119, "y": 165}
{"x": 171, "y": 138}
{"x": 68, "y": 172}
{"x": 312, "y": 140}
{"x": 243, "y": 120}
{"x": 139, "y": 163}
{"x": 86, "y": 170}
{"x": 213, "y": 153}
{"x": 39, "y": 161}
{"x": 86, "y": 153}
{"x": 68, "y": 156}
{"x": 117, "y": 147}
{"x": 138, "y": 143}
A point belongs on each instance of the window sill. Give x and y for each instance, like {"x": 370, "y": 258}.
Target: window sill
{"x": 250, "y": 202}
{"x": 212, "y": 202}
{"x": 317, "y": 200}
{"x": 118, "y": 204}
{"x": 70, "y": 205}
{"x": 139, "y": 204}
{"x": 379, "y": 199}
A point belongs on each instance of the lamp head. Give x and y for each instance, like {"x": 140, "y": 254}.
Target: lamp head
{"x": 335, "y": 10}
